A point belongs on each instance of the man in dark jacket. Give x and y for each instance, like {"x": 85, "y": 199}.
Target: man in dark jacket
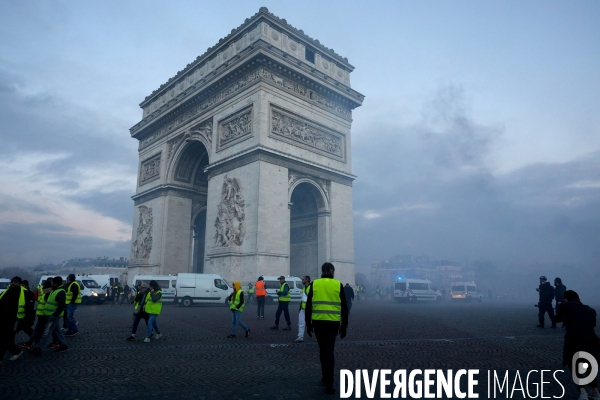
{"x": 349, "y": 296}
{"x": 11, "y": 309}
{"x": 327, "y": 313}
{"x": 26, "y": 323}
{"x": 580, "y": 321}
{"x": 545, "y": 304}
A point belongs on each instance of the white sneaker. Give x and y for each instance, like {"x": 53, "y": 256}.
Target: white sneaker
{"x": 298, "y": 340}
{"x": 157, "y": 336}
{"x": 16, "y": 357}
{"x": 147, "y": 340}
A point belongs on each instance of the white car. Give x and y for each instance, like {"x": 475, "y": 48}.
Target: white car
{"x": 416, "y": 290}
{"x": 465, "y": 291}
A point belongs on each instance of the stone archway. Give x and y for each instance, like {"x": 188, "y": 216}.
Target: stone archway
{"x": 307, "y": 234}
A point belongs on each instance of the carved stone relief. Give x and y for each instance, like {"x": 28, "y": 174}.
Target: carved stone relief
{"x": 238, "y": 85}
{"x": 307, "y": 134}
{"x": 198, "y": 132}
{"x": 235, "y": 129}
{"x": 142, "y": 245}
{"x": 150, "y": 169}
{"x": 294, "y": 176}
{"x": 173, "y": 145}
{"x": 229, "y": 224}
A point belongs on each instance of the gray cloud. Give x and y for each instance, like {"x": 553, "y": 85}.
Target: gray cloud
{"x": 429, "y": 189}
{"x": 29, "y": 244}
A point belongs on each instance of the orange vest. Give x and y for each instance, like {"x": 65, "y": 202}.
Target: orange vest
{"x": 260, "y": 288}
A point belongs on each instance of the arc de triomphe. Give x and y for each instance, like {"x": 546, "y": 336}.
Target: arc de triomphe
{"x": 245, "y": 162}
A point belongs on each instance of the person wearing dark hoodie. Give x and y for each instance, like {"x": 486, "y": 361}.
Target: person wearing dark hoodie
{"x": 580, "y": 321}
{"x": 54, "y": 309}
{"x": 559, "y": 292}
{"x": 236, "y": 306}
{"x": 12, "y": 310}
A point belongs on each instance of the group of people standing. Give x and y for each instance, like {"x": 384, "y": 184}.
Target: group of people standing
{"x": 56, "y": 305}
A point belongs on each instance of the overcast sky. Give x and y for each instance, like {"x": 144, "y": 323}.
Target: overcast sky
{"x": 479, "y": 137}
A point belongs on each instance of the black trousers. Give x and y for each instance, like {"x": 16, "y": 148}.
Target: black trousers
{"x": 283, "y": 307}
{"x": 7, "y": 338}
{"x": 136, "y": 321}
{"x": 543, "y": 309}
{"x": 25, "y": 325}
{"x": 326, "y": 332}
{"x": 38, "y": 331}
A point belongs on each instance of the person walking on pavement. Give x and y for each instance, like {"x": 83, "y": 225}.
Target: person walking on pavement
{"x": 559, "y": 293}
{"x": 12, "y": 310}
{"x": 378, "y": 292}
{"x": 139, "y": 313}
{"x": 284, "y": 297}
{"x": 327, "y": 314}
{"x": 301, "y": 317}
{"x": 545, "y": 304}
{"x": 579, "y": 321}
{"x": 42, "y": 319}
{"x": 357, "y": 292}
{"x": 118, "y": 289}
{"x": 73, "y": 300}
{"x": 153, "y": 307}
{"x": 26, "y": 323}
{"x": 250, "y": 292}
{"x": 261, "y": 294}
{"x": 349, "y": 292}
{"x": 236, "y": 306}
{"x": 125, "y": 293}
{"x": 54, "y": 310}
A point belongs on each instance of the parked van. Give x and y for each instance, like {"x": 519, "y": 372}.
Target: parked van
{"x": 167, "y": 284}
{"x": 91, "y": 292}
{"x": 273, "y": 285}
{"x": 201, "y": 288}
{"x": 414, "y": 290}
{"x": 465, "y": 291}
{"x": 4, "y": 284}
{"x": 104, "y": 280}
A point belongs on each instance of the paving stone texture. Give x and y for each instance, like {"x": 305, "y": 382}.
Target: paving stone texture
{"x": 195, "y": 360}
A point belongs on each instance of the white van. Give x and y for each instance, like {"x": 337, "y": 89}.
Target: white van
{"x": 413, "y": 290}
{"x": 91, "y": 292}
{"x": 4, "y": 284}
{"x": 104, "y": 280}
{"x": 465, "y": 291}
{"x": 201, "y": 288}
{"x": 168, "y": 284}
{"x": 273, "y": 285}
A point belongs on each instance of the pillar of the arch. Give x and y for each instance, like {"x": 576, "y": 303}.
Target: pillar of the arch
{"x": 342, "y": 239}
{"x": 175, "y": 237}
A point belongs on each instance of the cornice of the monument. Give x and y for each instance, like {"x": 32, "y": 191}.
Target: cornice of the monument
{"x": 249, "y": 23}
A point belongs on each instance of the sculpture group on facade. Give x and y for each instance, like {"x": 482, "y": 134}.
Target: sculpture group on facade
{"x": 142, "y": 245}
{"x": 229, "y": 224}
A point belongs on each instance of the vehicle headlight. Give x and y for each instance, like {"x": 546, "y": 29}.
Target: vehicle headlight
{"x": 94, "y": 293}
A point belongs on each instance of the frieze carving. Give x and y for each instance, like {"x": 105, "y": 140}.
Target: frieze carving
{"x": 234, "y": 129}
{"x": 303, "y": 234}
{"x": 150, "y": 169}
{"x": 294, "y": 176}
{"x": 173, "y": 145}
{"x": 142, "y": 245}
{"x": 299, "y": 131}
{"x": 240, "y": 84}
{"x": 229, "y": 224}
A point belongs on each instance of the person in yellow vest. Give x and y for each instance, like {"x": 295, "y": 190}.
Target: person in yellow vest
{"x": 236, "y": 306}
{"x": 326, "y": 312}
{"x": 153, "y": 307}
{"x": 250, "y": 292}
{"x": 54, "y": 310}
{"x": 261, "y": 294}
{"x": 26, "y": 324}
{"x": 43, "y": 292}
{"x": 284, "y": 297}
{"x": 12, "y": 307}
{"x": 139, "y": 313}
{"x": 301, "y": 317}
{"x": 73, "y": 300}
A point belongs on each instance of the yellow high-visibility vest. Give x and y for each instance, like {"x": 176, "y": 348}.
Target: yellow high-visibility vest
{"x": 235, "y": 300}
{"x": 326, "y": 303}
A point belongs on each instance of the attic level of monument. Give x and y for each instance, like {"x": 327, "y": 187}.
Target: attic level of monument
{"x": 249, "y": 26}
{"x": 265, "y": 40}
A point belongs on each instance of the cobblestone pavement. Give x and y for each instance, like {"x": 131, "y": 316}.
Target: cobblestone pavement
{"x": 195, "y": 360}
